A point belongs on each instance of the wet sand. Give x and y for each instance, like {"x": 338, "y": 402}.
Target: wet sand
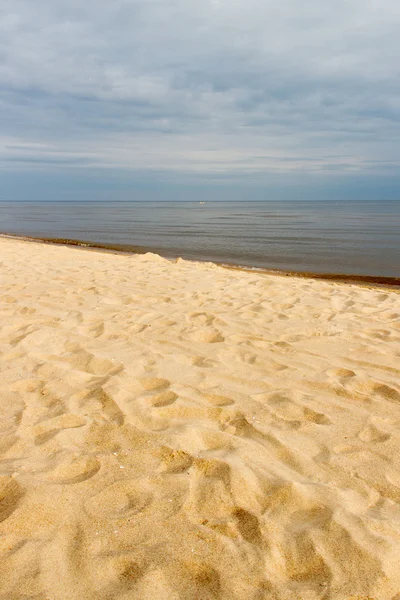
{"x": 178, "y": 430}
{"x": 132, "y": 249}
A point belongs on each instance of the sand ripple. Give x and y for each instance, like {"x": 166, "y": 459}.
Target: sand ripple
{"x": 179, "y": 431}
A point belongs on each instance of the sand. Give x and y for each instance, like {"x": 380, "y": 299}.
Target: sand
{"x": 177, "y": 430}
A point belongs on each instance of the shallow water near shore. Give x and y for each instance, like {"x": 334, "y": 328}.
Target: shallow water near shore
{"x": 357, "y": 238}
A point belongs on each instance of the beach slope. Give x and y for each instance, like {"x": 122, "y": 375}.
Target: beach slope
{"x": 178, "y": 430}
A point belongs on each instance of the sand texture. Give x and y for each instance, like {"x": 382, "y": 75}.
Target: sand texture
{"x": 173, "y": 430}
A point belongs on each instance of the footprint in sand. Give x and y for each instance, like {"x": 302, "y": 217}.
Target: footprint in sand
{"x": 235, "y": 423}
{"x": 122, "y": 499}
{"x": 154, "y": 390}
{"x": 372, "y": 434}
{"x": 207, "y": 336}
{"x": 217, "y": 400}
{"x": 48, "y": 429}
{"x": 341, "y": 373}
{"x": 376, "y": 389}
{"x": 10, "y": 494}
{"x": 93, "y": 329}
{"x": 174, "y": 461}
{"x": 74, "y": 317}
{"x": 194, "y": 360}
{"x": 291, "y": 412}
{"x": 74, "y": 470}
{"x": 97, "y": 400}
{"x": 163, "y": 399}
{"x": 210, "y": 501}
{"x": 26, "y": 386}
{"x": 200, "y": 318}
{"x": 181, "y": 579}
{"x": 150, "y": 384}
{"x": 248, "y": 526}
{"x": 81, "y": 360}
{"x": 315, "y": 417}
{"x": 122, "y": 574}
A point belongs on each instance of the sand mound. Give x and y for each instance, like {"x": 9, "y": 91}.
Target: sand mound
{"x": 180, "y": 431}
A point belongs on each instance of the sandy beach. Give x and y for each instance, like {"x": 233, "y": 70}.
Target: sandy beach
{"x": 181, "y": 431}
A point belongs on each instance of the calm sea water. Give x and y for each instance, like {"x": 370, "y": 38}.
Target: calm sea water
{"x": 336, "y": 237}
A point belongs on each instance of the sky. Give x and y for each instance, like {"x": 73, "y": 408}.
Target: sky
{"x": 181, "y": 99}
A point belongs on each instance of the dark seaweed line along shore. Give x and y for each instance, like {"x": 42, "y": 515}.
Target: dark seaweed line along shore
{"x": 132, "y": 249}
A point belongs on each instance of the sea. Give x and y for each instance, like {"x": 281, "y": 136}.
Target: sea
{"x": 336, "y": 237}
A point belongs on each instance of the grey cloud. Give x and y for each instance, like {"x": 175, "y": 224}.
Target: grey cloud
{"x": 45, "y": 160}
{"x": 202, "y": 86}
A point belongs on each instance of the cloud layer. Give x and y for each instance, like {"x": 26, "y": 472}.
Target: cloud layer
{"x": 215, "y": 87}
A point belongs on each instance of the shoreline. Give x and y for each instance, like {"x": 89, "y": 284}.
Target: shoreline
{"x": 125, "y": 249}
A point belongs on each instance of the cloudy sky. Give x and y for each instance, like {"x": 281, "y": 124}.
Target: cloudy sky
{"x": 162, "y": 99}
